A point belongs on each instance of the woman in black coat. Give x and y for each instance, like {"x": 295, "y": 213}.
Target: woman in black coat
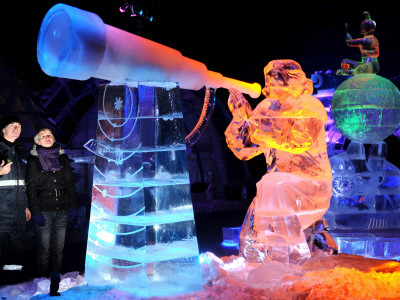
{"x": 52, "y": 200}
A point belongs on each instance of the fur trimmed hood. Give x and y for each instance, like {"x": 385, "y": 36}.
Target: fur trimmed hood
{"x": 34, "y": 151}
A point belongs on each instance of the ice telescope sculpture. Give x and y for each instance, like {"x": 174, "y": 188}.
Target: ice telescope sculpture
{"x": 76, "y": 44}
{"x": 142, "y": 234}
{"x": 288, "y": 127}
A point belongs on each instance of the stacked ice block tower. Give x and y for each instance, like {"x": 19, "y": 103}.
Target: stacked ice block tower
{"x": 142, "y": 235}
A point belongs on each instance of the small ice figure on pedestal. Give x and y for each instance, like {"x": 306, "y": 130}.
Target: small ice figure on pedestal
{"x": 369, "y": 48}
{"x": 288, "y": 127}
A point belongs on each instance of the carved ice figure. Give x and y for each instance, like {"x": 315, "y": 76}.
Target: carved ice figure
{"x": 288, "y": 127}
{"x": 369, "y": 48}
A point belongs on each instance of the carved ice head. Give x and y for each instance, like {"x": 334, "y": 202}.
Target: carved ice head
{"x": 285, "y": 77}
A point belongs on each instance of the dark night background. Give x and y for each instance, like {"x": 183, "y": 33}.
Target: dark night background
{"x": 236, "y": 39}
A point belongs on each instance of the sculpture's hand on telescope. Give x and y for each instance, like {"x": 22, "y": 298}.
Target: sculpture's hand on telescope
{"x": 239, "y": 106}
{"x": 238, "y": 134}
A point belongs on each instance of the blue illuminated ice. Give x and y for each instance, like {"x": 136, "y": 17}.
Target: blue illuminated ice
{"x": 76, "y": 44}
{"x": 364, "y": 213}
{"x": 142, "y": 235}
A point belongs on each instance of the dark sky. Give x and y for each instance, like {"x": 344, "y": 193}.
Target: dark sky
{"x": 234, "y": 38}
{"x": 237, "y": 40}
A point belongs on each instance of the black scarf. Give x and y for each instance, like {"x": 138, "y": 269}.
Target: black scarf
{"x": 8, "y": 143}
{"x": 49, "y": 157}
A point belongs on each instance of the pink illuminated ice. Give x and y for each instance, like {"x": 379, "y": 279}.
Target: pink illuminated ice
{"x": 288, "y": 127}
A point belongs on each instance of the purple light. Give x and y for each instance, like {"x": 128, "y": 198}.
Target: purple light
{"x": 324, "y": 93}
{"x": 123, "y": 9}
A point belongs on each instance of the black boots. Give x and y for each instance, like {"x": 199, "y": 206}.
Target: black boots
{"x": 54, "y": 283}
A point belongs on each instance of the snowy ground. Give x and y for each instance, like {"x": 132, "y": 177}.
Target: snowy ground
{"x": 323, "y": 277}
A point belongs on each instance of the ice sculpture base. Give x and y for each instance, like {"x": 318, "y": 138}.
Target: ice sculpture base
{"x": 162, "y": 278}
{"x": 366, "y": 190}
{"x": 281, "y": 239}
{"x": 377, "y": 245}
{"x": 364, "y": 213}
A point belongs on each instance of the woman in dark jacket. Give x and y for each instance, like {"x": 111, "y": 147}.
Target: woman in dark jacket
{"x": 52, "y": 201}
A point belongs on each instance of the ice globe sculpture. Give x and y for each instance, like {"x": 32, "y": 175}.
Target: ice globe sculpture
{"x": 366, "y": 108}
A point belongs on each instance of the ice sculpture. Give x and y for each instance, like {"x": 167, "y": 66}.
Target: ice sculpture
{"x": 76, "y": 44}
{"x": 364, "y": 209}
{"x": 142, "y": 235}
{"x": 366, "y": 108}
{"x": 288, "y": 127}
{"x": 369, "y": 48}
{"x": 364, "y": 214}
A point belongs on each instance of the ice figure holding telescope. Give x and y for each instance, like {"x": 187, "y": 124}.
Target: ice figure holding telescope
{"x": 288, "y": 127}
{"x": 369, "y": 48}
{"x": 142, "y": 236}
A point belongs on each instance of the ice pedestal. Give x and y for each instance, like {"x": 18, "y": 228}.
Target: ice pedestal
{"x": 377, "y": 245}
{"x": 142, "y": 236}
{"x": 364, "y": 213}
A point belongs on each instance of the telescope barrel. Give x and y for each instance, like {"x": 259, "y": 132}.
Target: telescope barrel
{"x": 76, "y": 44}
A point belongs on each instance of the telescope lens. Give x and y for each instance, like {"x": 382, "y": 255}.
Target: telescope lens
{"x": 55, "y": 41}
{"x": 71, "y": 42}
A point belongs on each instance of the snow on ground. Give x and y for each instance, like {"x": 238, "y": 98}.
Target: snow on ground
{"x": 323, "y": 277}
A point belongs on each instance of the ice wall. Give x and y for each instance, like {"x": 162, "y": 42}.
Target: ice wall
{"x": 142, "y": 235}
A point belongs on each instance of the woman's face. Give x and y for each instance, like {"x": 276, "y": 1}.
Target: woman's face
{"x": 46, "y": 139}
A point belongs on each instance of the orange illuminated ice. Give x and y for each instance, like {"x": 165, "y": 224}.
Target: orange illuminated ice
{"x": 288, "y": 127}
